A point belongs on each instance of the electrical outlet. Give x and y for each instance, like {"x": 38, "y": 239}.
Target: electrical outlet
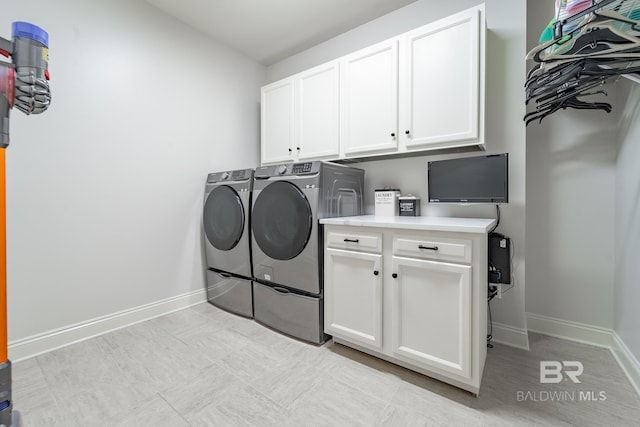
{"x": 501, "y": 288}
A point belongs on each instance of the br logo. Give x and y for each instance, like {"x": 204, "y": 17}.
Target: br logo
{"x": 553, "y": 372}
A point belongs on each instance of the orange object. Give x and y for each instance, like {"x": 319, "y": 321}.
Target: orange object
{"x": 3, "y": 261}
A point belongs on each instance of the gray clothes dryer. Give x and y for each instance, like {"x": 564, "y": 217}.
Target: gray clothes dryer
{"x": 288, "y": 201}
{"x": 226, "y": 220}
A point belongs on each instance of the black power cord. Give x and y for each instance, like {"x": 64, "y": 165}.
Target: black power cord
{"x": 493, "y": 291}
{"x": 497, "y": 219}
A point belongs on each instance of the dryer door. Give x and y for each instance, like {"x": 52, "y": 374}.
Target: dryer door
{"x": 281, "y": 220}
{"x": 223, "y": 218}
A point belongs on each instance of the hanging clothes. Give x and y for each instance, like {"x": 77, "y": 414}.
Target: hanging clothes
{"x": 564, "y": 9}
{"x": 587, "y": 43}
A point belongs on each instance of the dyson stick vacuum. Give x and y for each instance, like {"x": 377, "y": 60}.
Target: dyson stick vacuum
{"x": 24, "y": 84}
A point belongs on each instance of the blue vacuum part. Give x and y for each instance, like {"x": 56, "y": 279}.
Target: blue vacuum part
{"x": 30, "y": 31}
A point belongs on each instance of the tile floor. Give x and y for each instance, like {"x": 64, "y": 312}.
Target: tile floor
{"x": 204, "y": 367}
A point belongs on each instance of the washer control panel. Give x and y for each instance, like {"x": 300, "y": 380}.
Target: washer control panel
{"x": 299, "y": 168}
{"x": 288, "y": 169}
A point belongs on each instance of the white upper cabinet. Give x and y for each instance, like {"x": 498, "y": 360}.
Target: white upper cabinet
{"x": 369, "y": 108}
{"x": 441, "y": 95}
{"x": 277, "y": 123}
{"x": 422, "y": 90}
{"x": 318, "y": 118}
{"x": 300, "y": 116}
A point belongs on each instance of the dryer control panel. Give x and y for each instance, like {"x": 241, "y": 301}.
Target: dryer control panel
{"x": 236, "y": 175}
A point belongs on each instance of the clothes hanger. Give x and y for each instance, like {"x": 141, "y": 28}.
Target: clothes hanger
{"x": 570, "y": 90}
{"x": 593, "y": 35}
{"x": 574, "y": 103}
{"x": 560, "y": 38}
{"x": 569, "y": 100}
{"x": 577, "y": 72}
{"x": 592, "y": 15}
{"x": 567, "y": 97}
{"x": 553, "y": 80}
{"x": 577, "y": 62}
{"x": 542, "y": 75}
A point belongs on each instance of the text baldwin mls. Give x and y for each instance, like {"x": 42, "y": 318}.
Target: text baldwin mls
{"x": 561, "y": 396}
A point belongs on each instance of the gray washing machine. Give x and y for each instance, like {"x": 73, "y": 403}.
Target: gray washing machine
{"x": 226, "y": 220}
{"x": 288, "y": 201}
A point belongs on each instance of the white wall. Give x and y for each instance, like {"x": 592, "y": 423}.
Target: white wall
{"x": 627, "y": 230}
{"x": 505, "y": 131}
{"x": 104, "y": 190}
{"x": 570, "y": 207}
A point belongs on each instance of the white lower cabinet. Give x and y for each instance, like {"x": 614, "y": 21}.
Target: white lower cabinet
{"x": 413, "y": 297}
{"x": 431, "y": 307}
{"x": 353, "y": 296}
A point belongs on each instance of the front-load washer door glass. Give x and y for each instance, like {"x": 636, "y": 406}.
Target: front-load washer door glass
{"x": 223, "y": 218}
{"x": 281, "y": 220}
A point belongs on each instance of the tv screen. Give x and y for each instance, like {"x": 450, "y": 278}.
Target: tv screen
{"x": 478, "y": 179}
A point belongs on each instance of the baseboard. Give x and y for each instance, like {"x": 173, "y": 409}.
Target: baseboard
{"x": 592, "y": 335}
{"x": 627, "y": 361}
{"x": 508, "y": 335}
{"x": 568, "y": 330}
{"x": 42, "y": 343}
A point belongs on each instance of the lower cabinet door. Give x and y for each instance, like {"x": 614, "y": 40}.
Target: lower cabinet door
{"x": 353, "y": 296}
{"x": 431, "y": 307}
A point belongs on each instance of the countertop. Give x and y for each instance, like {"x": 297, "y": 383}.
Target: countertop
{"x": 458, "y": 225}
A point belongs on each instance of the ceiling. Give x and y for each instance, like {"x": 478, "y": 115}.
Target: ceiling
{"x": 271, "y": 30}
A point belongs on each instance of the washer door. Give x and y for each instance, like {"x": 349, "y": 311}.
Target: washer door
{"x": 223, "y": 218}
{"x": 281, "y": 220}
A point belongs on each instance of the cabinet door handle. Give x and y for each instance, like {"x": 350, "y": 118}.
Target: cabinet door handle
{"x": 429, "y": 248}
{"x": 394, "y": 275}
{"x": 290, "y": 150}
{"x": 393, "y": 134}
{"x": 407, "y": 132}
{"x": 376, "y": 272}
{"x": 298, "y": 148}
{"x": 351, "y": 240}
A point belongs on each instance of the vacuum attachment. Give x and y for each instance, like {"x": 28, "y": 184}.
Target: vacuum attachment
{"x": 24, "y": 83}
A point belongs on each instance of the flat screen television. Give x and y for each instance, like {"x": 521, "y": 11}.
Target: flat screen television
{"x": 477, "y": 179}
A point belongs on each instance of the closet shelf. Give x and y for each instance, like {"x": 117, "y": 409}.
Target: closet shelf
{"x": 635, "y": 79}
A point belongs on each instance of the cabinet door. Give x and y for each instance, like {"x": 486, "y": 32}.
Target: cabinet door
{"x": 369, "y": 110}
{"x": 441, "y": 93}
{"x": 317, "y": 110}
{"x": 431, "y": 309}
{"x": 277, "y": 122}
{"x": 353, "y": 297}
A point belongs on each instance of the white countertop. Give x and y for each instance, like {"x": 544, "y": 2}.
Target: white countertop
{"x": 459, "y": 225}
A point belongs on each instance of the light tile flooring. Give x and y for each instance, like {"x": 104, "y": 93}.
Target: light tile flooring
{"x": 204, "y": 367}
